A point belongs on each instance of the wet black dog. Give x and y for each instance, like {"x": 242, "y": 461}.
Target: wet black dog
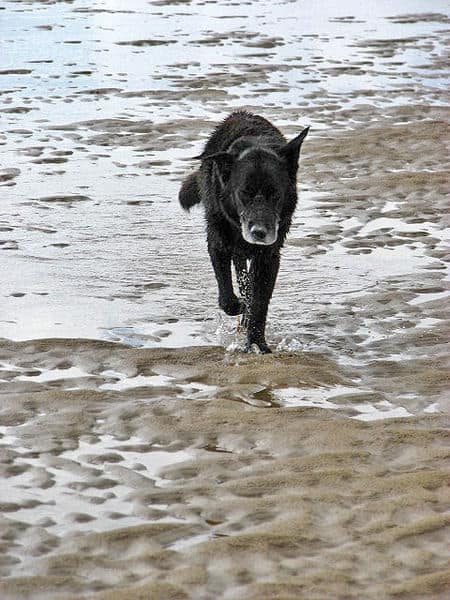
{"x": 247, "y": 183}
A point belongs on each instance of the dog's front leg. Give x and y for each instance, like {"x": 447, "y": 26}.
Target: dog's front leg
{"x": 240, "y": 266}
{"x": 228, "y": 301}
{"x": 263, "y": 273}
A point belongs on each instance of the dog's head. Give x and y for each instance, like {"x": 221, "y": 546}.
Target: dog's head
{"x": 257, "y": 179}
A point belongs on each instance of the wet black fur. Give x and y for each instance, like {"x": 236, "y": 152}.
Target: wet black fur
{"x": 247, "y": 166}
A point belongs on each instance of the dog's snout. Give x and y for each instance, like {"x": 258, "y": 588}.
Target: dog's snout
{"x": 258, "y": 232}
{"x": 259, "y": 225}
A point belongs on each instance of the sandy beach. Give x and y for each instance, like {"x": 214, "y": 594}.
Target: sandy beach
{"x": 142, "y": 454}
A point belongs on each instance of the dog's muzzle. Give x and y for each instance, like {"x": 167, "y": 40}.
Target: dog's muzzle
{"x": 259, "y": 227}
{"x": 259, "y": 222}
{"x": 259, "y": 234}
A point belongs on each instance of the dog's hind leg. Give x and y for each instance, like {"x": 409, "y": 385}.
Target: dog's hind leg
{"x": 228, "y": 301}
{"x": 189, "y": 193}
{"x": 263, "y": 274}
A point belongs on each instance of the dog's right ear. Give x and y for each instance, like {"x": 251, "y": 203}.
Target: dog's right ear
{"x": 224, "y": 162}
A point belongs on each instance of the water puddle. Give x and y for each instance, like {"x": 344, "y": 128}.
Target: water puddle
{"x": 347, "y": 400}
{"x": 88, "y": 489}
{"x": 123, "y": 382}
{"x": 171, "y": 334}
{"x": 54, "y": 375}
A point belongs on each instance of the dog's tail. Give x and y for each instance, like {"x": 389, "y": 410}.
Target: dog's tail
{"x": 190, "y": 191}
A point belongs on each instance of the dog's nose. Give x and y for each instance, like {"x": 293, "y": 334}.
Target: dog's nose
{"x": 259, "y": 233}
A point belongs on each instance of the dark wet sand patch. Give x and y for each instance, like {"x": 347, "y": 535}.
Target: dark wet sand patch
{"x": 48, "y": 160}
{"x": 16, "y": 110}
{"x": 8, "y": 245}
{"x": 63, "y": 198}
{"x": 15, "y": 71}
{"x": 89, "y": 10}
{"x": 431, "y": 17}
{"x": 346, "y": 19}
{"x": 9, "y": 174}
{"x": 99, "y": 91}
{"x": 149, "y": 42}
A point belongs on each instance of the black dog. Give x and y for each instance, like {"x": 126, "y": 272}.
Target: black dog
{"x": 247, "y": 183}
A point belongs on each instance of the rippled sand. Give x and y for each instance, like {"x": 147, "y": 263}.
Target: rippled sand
{"x": 141, "y": 454}
{"x": 184, "y": 473}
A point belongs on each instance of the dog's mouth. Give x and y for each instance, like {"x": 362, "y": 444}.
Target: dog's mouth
{"x": 259, "y": 233}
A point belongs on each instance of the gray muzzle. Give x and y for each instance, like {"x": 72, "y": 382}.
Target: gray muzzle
{"x": 259, "y": 223}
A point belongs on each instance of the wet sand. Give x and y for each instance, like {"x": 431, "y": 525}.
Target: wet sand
{"x": 142, "y": 455}
{"x": 182, "y": 473}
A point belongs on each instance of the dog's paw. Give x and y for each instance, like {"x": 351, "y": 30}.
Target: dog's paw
{"x": 232, "y": 306}
{"x": 260, "y": 348}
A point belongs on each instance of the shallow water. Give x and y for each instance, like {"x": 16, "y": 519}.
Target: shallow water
{"x": 135, "y": 427}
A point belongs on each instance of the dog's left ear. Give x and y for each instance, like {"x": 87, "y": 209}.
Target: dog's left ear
{"x": 291, "y": 151}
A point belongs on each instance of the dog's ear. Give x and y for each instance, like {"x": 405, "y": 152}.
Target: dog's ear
{"x": 291, "y": 151}
{"x": 224, "y": 162}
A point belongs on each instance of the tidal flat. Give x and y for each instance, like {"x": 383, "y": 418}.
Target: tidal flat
{"x": 142, "y": 455}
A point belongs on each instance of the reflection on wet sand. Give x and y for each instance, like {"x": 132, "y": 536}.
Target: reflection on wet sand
{"x": 141, "y": 454}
